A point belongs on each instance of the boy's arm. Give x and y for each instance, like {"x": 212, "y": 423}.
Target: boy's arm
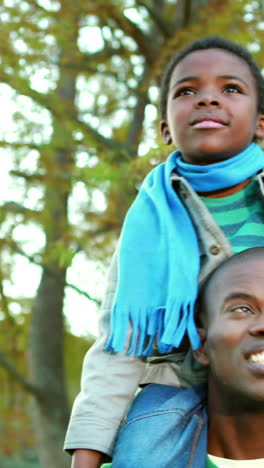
{"x": 108, "y": 384}
{"x": 86, "y": 459}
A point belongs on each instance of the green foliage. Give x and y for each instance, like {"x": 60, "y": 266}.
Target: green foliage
{"x": 16, "y": 433}
{"x": 27, "y": 460}
{"x": 60, "y": 254}
{"x": 15, "y": 427}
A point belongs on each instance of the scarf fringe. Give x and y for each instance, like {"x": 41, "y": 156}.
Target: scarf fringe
{"x": 149, "y": 324}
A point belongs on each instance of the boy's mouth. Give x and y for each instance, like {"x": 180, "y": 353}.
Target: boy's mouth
{"x": 208, "y": 120}
{"x": 208, "y": 123}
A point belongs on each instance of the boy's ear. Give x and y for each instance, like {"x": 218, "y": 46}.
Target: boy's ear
{"x": 200, "y": 354}
{"x": 260, "y": 127}
{"x": 165, "y": 132}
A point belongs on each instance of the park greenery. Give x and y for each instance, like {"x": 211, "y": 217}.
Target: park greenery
{"x": 83, "y": 77}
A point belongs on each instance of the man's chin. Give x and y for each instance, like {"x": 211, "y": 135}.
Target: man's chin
{"x": 232, "y": 399}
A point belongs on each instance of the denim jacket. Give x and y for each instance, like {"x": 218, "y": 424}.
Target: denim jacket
{"x": 166, "y": 427}
{"x": 109, "y": 381}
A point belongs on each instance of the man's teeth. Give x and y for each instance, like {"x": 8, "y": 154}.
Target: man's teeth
{"x": 259, "y": 357}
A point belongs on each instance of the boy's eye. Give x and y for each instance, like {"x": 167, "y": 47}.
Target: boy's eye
{"x": 184, "y": 92}
{"x": 233, "y": 88}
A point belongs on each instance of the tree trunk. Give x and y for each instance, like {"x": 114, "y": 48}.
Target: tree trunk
{"x": 50, "y": 411}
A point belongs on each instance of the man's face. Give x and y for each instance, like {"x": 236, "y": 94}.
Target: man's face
{"x": 212, "y": 107}
{"x": 235, "y": 336}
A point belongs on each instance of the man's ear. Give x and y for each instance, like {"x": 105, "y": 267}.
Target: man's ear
{"x": 259, "y": 134}
{"x": 200, "y": 354}
{"x": 165, "y": 132}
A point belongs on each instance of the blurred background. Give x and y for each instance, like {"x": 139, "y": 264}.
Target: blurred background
{"x": 79, "y": 129}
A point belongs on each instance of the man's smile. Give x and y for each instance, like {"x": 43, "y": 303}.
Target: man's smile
{"x": 257, "y": 357}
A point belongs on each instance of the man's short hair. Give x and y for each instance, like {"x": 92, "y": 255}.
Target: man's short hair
{"x": 202, "y": 300}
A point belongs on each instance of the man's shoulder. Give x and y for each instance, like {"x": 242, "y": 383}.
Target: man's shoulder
{"x": 166, "y": 426}
{"x": 158, "y": 398}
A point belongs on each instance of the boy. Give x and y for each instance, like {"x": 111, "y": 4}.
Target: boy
{"x": 228, "y": 424}
{"x": 212, "y": 104}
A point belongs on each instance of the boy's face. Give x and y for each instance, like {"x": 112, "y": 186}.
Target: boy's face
{"x": 234, "y": 346}
{"x": 212, "y": 107}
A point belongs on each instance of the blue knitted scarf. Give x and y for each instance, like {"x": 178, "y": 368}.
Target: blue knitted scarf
{"x": 158, "y": 255}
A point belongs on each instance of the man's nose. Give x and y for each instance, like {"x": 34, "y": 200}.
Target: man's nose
{"x": 257, "y": 326}
{"x": 208, "y": 98}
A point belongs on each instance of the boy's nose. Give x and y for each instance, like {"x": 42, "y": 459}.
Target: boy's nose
{"x": 208, "y": 99}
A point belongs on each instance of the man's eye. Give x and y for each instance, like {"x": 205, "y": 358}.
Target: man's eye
{"x": 233, "y": 88}
{"x": 242, "y": 310}
{"x": 184, "y": 92}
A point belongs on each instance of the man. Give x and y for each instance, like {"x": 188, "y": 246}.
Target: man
{"x": 231, "y": 314}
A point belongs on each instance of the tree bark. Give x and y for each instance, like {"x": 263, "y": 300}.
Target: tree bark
{"x": 51, "y": 411}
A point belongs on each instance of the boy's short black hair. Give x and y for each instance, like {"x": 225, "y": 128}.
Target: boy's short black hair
{"x": 211, "y": 42}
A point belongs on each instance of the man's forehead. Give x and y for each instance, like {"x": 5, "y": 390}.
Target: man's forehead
{"x": 244, "y": 277}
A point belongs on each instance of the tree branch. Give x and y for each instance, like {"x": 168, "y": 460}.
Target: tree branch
{"x": 22, "y": 87}
{"x": 107, "y": 52}
{"x": 83, "y": 293}
{"x": 27, "y": 176}
{"x": 17, "y": 376}
{"x": 68, "y": 285}
{"x": 100, "y": 139}
{"x": 4, "y": 301}
{"x": 15, "y": 207}
{"x": 146, "y": 45}
{"x": 136, "y": 126}
{"x": 17, "y": 145}
{"x": 165, "y": 26}
{"x": 41, "y": 8}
